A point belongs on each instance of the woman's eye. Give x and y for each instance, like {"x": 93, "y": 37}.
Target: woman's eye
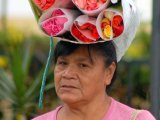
{"x": 83, "y": 65}
{"x": 62, "y": 63}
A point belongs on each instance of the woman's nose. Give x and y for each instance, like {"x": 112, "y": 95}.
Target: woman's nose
{"x": 69, "y": 72}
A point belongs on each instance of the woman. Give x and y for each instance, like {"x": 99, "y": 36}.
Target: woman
{"x": 83, "y": 74}
{"x": 86, "y": 59}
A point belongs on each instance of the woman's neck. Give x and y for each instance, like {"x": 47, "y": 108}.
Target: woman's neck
{"x": 94, "y": 110}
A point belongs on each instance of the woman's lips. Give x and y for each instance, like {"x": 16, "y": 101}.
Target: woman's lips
{"x": 68, "y": 87}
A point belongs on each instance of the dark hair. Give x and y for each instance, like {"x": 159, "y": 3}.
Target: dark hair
{"x": 106, "y": 49}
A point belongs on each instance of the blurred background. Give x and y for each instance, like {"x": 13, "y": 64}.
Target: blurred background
{"x": 23, "y": 55}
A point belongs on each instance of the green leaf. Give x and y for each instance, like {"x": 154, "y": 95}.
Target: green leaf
{"x": 6, "y": 96}
{"x": 17, "y": 71}
{"x": 33, "y": 90}
{"x": 6, "y": 80}
{"x": 49, "y": 86}
{"x": 27, "y": 55}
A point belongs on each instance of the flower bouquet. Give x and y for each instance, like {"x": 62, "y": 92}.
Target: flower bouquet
{"x": 110, "y": 24}
{"x": 84, "y": 29}
{"x": 46, "y": 4}
{"x": 91, "y": 7}
{"x": 41, "y": 6}
{"x": 63, "y": 20}
{"x": 57, "y": 21}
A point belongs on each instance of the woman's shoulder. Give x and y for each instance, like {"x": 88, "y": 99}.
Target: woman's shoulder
{"x": 145, "y": 115}
{"x": 49, "y": 115}
{"x": 122, "y": 108}
{"x": 125, "y": 111}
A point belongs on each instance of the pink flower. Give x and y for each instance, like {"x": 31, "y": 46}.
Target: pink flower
{"x": 89, "y": 4}
{"x": 54, "y": 25}
{"x": 80, "y": 3}
{"x": 57, "y": 12}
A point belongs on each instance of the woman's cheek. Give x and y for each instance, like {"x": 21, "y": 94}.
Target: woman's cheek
{"x": 57, "y": 77}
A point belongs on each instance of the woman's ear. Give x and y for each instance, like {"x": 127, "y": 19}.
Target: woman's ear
{"x": 109, "y": 72}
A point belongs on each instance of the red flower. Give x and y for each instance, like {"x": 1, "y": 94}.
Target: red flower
{"x": 79, "y": 35}
{"x": 75, "y": 31}
{"x": 91, "y": 28}
{"x": 117, "y": 25}
{"x": 44, "y": 4}
{"x": 103, "y": 1}
{"x": 95, "y": 34}
{"x": 84, "y": 26}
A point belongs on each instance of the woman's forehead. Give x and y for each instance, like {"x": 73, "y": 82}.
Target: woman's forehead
{"x": 82, "y": 53}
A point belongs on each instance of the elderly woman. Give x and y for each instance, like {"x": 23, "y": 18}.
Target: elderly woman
{"x": 93, "y": 38}
{"x": 83, "y": 74}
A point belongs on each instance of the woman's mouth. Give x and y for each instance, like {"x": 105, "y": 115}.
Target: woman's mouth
{"x": 68, "y": 87}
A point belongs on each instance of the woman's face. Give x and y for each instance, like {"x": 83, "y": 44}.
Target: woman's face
{"x": 80, "y": 79}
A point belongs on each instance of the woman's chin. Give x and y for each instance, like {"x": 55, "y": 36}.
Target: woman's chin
{"x": 69, "y": 95}
{"x": 69, "y": 99}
